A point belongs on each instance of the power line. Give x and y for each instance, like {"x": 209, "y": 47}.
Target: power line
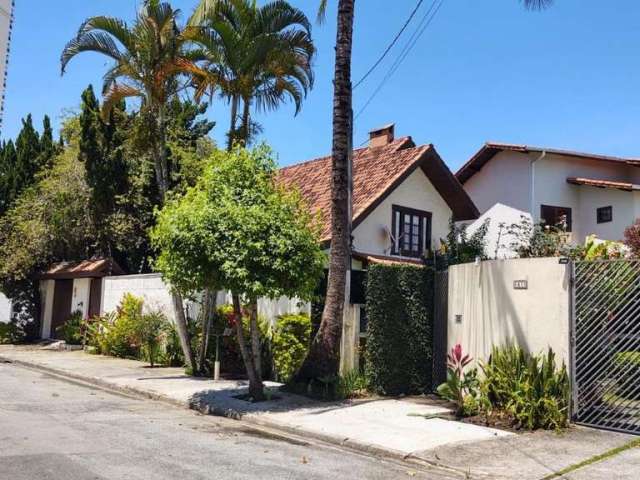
{"x": 422, "y": 27}
{"x": 388, "y": 49}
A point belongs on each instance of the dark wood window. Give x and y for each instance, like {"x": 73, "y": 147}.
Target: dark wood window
{"x": 411, "y": 231}
{"x": 556, "y": 217}
{"x": 605, "y": 214}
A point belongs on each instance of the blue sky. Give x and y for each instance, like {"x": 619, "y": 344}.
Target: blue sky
{"x": 484, "y": 70}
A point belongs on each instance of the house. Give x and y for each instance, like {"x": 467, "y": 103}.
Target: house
{"x": 404, "y": 196}
{"x": 591, "y": 194}
{"x": 68, "y": 287}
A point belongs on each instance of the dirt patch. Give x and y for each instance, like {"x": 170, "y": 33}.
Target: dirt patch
{"x": 499, "y": 420}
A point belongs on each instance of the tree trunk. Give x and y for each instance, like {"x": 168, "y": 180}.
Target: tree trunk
{"x": 208, "y": 307}
{"x": 232, "y": 126}
{"x": 183, "y": 332}
{"x": 162, "y": 177}
{"x": 246, "y": 121}
{"x": 256, "y": 389}
{"x": 255, "y": 338}
{"x": 323, "y": 357}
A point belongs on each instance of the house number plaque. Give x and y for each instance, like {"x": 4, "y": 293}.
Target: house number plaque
{"x": 520, "y": 284}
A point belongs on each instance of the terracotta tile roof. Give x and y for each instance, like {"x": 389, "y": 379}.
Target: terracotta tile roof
{"x": 93, "y": 268}
{"x": 491, "y": 149}
{"x": 376, "y": 172}
{"x": 593, "y": 182}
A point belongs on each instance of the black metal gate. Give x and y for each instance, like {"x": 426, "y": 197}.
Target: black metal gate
{"x": 440, "y": 308}
{"x": 606, "y": 344}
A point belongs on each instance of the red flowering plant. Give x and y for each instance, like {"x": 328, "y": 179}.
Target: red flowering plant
{"x": 461, "y": 386}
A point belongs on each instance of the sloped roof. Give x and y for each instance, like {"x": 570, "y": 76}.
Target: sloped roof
{"x": 491, "y": 149}
{"x": 594, "y": 182}
{"x": 93, "y": 268}
{"x": 376, "y": 172}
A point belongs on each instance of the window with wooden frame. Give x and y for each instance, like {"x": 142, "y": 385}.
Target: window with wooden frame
{"x": 411, "y": 231}
{"x": 559, "y": 217}
{"x": 604, "y": 214}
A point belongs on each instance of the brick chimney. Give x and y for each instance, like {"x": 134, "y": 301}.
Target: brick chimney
{"x": 381, "y": 136}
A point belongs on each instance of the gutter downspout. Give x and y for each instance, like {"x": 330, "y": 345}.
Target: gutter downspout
{"x": 533, "y": 184}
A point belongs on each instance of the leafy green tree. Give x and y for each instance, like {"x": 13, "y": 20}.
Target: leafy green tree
{"x": 256, "y": 57}
{"x": 150, "y": 58}
{"x": 238, "y": 230}
{"x": 8, "y": 159}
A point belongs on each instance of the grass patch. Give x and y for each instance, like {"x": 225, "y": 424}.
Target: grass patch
{"x": 596, "y": 458}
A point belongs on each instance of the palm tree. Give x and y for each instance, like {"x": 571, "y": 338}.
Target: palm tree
{"x": 149, "y": 60}
{"x": 257, "y": 57}
{"x": 322, "y": 359}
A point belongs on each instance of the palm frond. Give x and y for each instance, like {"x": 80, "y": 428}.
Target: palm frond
{"x": 99, "y": 42}
{"x": 116, "y": 94}
{"x": 537, "y": 4}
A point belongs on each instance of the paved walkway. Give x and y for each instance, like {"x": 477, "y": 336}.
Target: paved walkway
{"x": 393, "y": 427}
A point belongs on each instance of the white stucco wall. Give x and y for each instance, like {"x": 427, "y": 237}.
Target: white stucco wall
{"x": 494, "y": 313}
{"x": 149, "y": 287}
{"x": 507, "y": 179}
{"x": 504, "y": 179}
{"x": 498, "y": 239}
{"x": 5, "y": 309}
{"x": 371, "y": 236}
{"x": 80, "y": 296}
{"x": 47, "y": 288}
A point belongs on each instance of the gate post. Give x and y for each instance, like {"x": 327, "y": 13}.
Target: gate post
{"x": 573, "y": 404}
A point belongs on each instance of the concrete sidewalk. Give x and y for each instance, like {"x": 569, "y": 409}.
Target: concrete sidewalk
{"x": 399, "y": 428}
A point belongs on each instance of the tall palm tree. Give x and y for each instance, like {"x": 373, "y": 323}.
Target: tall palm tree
{"x": 257, "y": 57}
{"x": 150, "y": 58}
{"x": 323, "y": 357}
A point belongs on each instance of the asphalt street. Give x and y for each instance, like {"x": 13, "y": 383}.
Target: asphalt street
{"x": 54, "y": 429}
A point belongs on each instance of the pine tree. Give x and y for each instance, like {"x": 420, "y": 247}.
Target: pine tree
{"x": 27, "y": 158}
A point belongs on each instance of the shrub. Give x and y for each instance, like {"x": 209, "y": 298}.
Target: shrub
{"x": 172, "y": 356}
{"x": 72, "y": 331}
{"x": 352, "y": 384}
{"x": 460, "y": 387}
{"x": 399, "y": 308}
{"x": 531, "y": 389}
{"x": 117, "y": 335}
{"x": 290, "y": 340}
{"x": 627, "y": 371}
{"x": 460, "y": 247}
{"x": 11, "y": 332}
{"x": 149, "y": 332}
{"x": 632, "y": 238}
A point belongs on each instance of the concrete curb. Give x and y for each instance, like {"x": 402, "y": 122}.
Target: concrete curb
{"x": 265, "y": 427}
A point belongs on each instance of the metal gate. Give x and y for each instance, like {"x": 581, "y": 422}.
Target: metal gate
{"x": 440, "y": 306}
{"x": 606, "y": 344}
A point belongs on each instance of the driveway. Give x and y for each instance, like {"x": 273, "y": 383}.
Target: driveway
{"x": 53, "y": 429}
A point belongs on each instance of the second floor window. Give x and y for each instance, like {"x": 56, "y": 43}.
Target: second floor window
{"x": 558, "y": 217}
{"x": 411, "y": 231}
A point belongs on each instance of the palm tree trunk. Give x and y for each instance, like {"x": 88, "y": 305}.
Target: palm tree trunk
{"x": 232, "y": 126}
{"x": 256, "y": 389}
{"x": 162, "y": 176}
{"x": 323, "y": 357}
{"x": 246, "y": 120}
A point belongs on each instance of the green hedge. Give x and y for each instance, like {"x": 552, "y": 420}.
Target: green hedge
{"x": 399, "y": 344}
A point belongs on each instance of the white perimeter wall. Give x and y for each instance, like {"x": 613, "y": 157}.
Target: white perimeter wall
{"x": 150, "y": 288}
{"x": 494, "y": 313}
{"x": 5, "y": 309}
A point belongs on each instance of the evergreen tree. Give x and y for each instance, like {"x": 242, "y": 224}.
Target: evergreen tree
{"x": 27, "y": 158}
{"x": 102, "y": 152}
